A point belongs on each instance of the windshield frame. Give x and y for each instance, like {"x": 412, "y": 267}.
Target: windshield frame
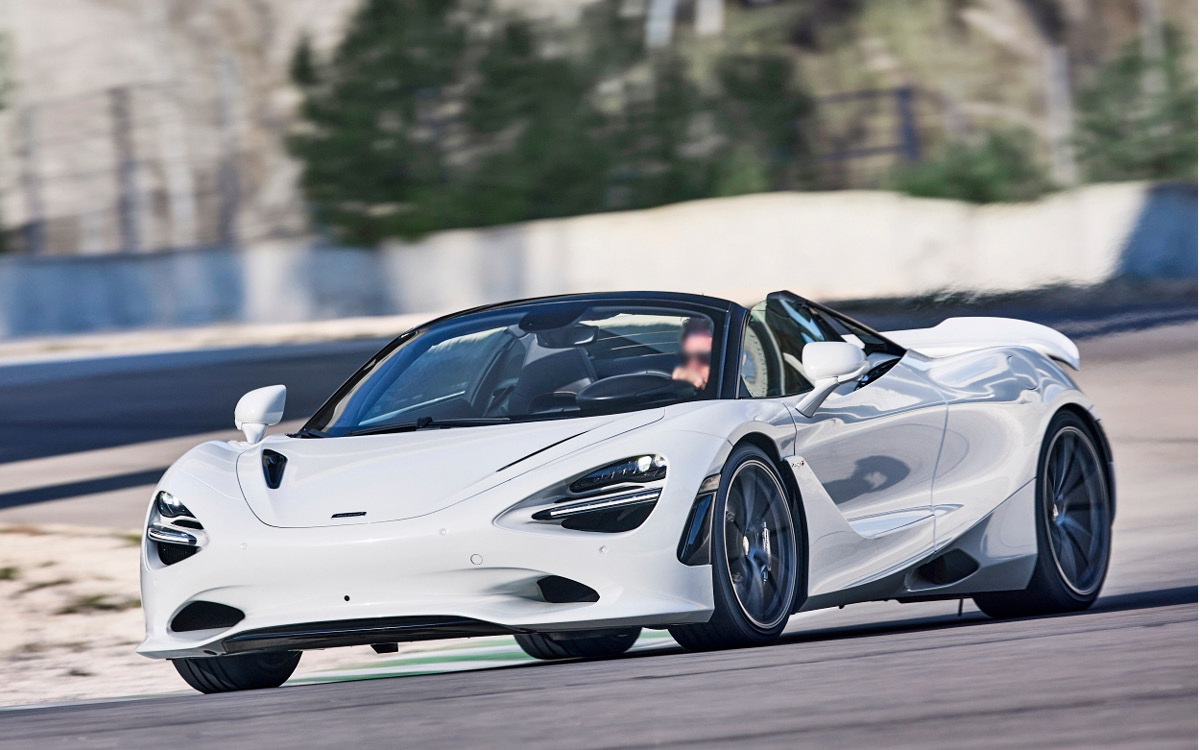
{"x": 726, "y": 317}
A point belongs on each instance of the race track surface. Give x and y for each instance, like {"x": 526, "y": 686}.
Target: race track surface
{"x": 873, "y": 675}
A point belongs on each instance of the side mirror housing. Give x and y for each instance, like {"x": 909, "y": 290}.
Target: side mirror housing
{"x": 828, "y": 364}
{"x": 258, "y": 410}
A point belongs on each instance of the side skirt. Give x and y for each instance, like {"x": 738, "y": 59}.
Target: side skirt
{"x": 996, "y": 554}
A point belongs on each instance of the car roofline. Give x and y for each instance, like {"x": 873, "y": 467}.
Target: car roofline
{"x": 698, "y": 300}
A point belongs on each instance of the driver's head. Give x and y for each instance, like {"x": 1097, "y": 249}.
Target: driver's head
{"x": 695, "y": 351}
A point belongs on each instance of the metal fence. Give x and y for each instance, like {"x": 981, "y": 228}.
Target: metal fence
{"x": 862, "y": 136}
{"x": 131, "y": 168}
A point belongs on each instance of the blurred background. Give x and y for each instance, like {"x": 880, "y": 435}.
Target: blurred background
{"x": 172, "y": 163}
{"x": 201, "y": 197}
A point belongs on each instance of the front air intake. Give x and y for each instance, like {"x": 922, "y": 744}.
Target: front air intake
{"x": 559, "y": 590}
{"x": 206, "y": 616}
{"x": 169, "y": 554}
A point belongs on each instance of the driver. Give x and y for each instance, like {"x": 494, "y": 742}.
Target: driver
{"x": 695, "y": 353}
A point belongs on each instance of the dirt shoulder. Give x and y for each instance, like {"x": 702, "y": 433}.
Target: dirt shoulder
{"x": 72, "y": 619}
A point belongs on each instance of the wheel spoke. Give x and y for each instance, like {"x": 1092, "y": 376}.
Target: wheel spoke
{"x": 1081, "y": 557}
{"x": 1081, "y": 474}
{"x": 1072, "y": 459}
{"x": 754, "y": 596}
{"x": 1060, "y": 466}
{"x": 1066, "y": 557}
{"x": 750, "y": 504}
{"x": 1075, "y": 505}
{"x": 733, "y": 507}
{"x": 770, "y": 586}
{"x": 1077, "y": 533}
{"x": 758, "y": 543}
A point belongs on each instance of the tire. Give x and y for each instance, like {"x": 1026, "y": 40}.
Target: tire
{"x": 1074, "y": 527}
{"x": 746, "y": 611}
{"x": 223, "y": 674}
{"x": 593, "y": 645}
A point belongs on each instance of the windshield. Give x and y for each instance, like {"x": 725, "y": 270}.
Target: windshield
{"x": 543, "y": 361}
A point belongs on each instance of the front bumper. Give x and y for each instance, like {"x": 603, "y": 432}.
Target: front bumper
{"x": 452, "y": 573}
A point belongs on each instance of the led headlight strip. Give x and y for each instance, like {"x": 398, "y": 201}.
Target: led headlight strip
{"x": 638, "y": 470}
{"x": 591, "y": 505}
{"x": 169, "y": 536}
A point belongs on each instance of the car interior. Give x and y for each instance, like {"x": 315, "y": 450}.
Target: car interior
{"x": 602, "y": 360}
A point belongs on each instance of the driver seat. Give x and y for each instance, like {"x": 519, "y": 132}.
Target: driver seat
{"x": 549, "y": 378}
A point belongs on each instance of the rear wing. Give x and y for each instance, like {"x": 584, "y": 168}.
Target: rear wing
{"x": 958, "y": 335}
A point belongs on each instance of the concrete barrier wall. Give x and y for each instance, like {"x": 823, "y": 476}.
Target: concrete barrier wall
{"x": 825, "y": 245}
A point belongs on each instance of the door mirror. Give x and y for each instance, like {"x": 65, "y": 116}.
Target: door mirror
{"x": 258, "y": 410}
{"x": 828, "y": 364}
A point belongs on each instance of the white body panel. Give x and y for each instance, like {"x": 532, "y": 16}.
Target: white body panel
{"x": 958, "y": 335}
{"x": 937, "y": 454}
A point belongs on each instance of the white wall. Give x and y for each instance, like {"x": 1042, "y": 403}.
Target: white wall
{"x": 845, "y": 245}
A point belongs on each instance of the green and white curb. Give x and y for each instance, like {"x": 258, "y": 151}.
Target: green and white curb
{"x": 455, "y": 656}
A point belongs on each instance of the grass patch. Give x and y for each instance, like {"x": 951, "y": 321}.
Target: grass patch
{"x": 132, "y": 538}
{"x": 9, "y": 573}
{"x": 98, "y": 603}
{"x": 39, "y": 585}
{"x": 23, "y": 529}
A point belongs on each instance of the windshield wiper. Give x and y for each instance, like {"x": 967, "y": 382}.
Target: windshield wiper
{"x": 308, "y": 432}
{"x": 424, "y": 423}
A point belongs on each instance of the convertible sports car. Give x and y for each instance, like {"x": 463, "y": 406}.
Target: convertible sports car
{"x": 572, "y": 469}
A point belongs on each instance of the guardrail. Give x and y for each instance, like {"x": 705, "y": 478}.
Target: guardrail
{"x": 840, "y": 245}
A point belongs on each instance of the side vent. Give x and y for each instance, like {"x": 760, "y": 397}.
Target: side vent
{"x": 951, "y": 567}
{"x": 206, "y": 616}
{"x": 694, "y": 544}
{"x": 273, "y": 464}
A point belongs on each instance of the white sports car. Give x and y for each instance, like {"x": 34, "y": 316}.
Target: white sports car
{"x": 570, "y": 470}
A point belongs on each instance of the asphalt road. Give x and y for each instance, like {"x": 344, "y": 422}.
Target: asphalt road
{"x": 882, "y": 674}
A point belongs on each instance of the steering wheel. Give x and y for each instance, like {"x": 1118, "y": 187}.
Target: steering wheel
{"x": 649, "y": 385}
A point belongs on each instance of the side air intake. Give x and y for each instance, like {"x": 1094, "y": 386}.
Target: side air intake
{"x": 206, "y": 616}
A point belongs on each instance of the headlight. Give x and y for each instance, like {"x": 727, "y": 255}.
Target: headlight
{"x": 638, "y": 469}
{"x": 172, "y": 543}
{"x": 168, "y": 506}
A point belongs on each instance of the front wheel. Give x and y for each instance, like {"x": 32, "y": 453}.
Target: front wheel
{"x": 223, "y": 674}
{"x": 1074, "y": 527}
{"x": 590, "y": 645}
{"x": 755, "y": 558}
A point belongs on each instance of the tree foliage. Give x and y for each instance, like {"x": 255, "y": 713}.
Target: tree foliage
{"x": 1001, "y": 168}
{"x": 434, "y": 114}
{"x": 1137, "y": 120}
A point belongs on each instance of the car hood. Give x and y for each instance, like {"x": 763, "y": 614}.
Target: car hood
{"x": 372, "y": 478}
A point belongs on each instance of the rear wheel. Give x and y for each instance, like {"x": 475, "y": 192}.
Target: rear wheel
{"x": 755, "y": 558}
{"x": 590, "y": 645}
{"x": 1074, "y": 527}
{"x": 223, "y": 674}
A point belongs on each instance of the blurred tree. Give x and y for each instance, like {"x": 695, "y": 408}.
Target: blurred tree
{"x": 435, "y": 114}
{"x": 763, "y": 102}
{"x": 303, "y": 69}
{"x": 1131, "y": 131}
{"x": 373, "y": 164}
{"x": 1001, "y": 168}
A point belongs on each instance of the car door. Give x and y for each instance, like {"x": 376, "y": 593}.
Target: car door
{"x": 872, "y": 446}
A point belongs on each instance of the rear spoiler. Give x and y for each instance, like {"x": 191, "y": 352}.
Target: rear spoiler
{"x": 958, "y": 335}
